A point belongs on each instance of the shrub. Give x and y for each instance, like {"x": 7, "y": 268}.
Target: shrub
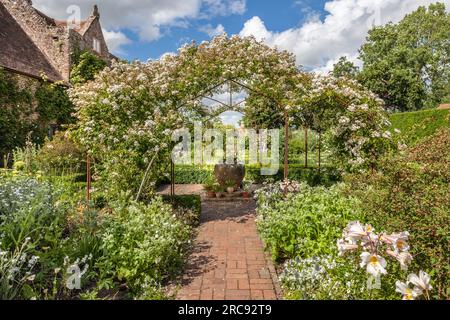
{"x": 323, "y": 278}
{"x": 29, "y": 209}
{"x": 86, "y": 66}
{"x": 419, "y": 125}
{"x": 142, "y": 243}
{"x": 187, "y": 208}
{"x": 16, "y": 271}
{"x": 61, "y": 156}
{"x": 25, "y": 158}
{"x": 305, "y": 223}
{"x": 411, "y": 193}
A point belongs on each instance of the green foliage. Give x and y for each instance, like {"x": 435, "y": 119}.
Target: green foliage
{"x": 61, "y": 156}
{"x": 16, "y": 109}
{"x": 305, "y": 223}
{"x": 407, "y": 64}
{"x": 345, "y": 68}
{"x": 28, "y": 113}
{"x": 85, "y": 66}
{"x": 187, "y": 208}
{"x": 312, "y": 176}
{"x": 25, "y": 158}
{"x": 262, "y": 114}
{"x": 33, "y": 221}
{"x": 412, "y": 194}
{"x": 143, "y": 243}
{"x": 16, "y": 269}
{"x": 28, "y": 209}
{"x": 329, "y": 277}
{"x": 193, "y": 175}
{"x": 54, "y": 105}
{"x": 415, "y": 126}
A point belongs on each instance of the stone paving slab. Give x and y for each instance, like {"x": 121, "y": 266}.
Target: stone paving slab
{"x": 228, "y": 261}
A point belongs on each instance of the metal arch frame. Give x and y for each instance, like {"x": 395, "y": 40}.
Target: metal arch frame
{"x": 232, "y": 107}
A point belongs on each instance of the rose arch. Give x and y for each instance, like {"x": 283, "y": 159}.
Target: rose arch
{"x": 126, "y": 115}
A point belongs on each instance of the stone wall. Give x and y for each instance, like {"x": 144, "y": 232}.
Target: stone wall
{"x": 57, "y": 42}
{"x": 95, "y": 31}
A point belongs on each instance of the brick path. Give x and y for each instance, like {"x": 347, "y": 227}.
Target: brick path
{"x": 228, "y": 261}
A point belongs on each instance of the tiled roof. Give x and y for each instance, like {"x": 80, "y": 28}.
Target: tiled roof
{"x": 18, "y": 52}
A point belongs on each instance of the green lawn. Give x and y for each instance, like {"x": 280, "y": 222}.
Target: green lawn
{"x": 421, "y": 124}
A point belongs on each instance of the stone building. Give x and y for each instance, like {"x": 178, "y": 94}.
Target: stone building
{"x": 33, "y": 44}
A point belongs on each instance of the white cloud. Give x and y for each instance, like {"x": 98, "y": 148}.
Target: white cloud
{"x": 146, "y": 17}
{"x": 115, "y": 41}
{"x": 238, "y": 6}
{"x": 211, "y": 31}
{"x": 318, "y": 44}
{"x": 225, "y": 7}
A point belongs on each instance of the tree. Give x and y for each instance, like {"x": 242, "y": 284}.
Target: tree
{"x": 408, "y": 64}
{"x": 345, "y": 68}
{"x": 261, "y": 113}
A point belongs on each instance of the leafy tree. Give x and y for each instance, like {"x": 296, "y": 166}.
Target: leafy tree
{"x": 261, "y": 113}
{"x": 408, "y": 64}
{"x": 85, "y": 66}
{"x": 345, "y": 68}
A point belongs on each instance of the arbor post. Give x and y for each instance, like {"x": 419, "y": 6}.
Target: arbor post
{"x": 88, "y": 179}
{"x": 172, "y": 180}
{"x": 320, "y": 145}
{"x": 306, "y": 147}
{"x": 286, "y": 145}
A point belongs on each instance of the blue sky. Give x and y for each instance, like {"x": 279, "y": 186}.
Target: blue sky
{"x": 277, "y": 15}
{"x": 317, "y": 32}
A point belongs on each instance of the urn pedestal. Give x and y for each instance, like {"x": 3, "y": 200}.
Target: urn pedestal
{"x": 226, "y": 172}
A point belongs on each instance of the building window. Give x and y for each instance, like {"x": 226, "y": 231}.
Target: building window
{"x": 96, "y": 45}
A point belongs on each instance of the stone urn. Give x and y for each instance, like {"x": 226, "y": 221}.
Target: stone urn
{"x": 227, "y": 172}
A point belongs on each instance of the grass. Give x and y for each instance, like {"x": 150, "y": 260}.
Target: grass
{"x": 415, "y": 126}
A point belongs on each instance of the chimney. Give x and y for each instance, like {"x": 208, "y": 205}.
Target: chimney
{"x": 96, "y": 13}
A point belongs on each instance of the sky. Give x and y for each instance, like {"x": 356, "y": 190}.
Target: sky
{"x": 318, "y": 32}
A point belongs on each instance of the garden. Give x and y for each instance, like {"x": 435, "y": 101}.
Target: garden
{"x": 359, "y": 209}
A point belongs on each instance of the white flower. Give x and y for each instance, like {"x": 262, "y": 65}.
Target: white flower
{"x": 355, "y": 230}
{"x": 404, "y": 258}
{"x": 344, "y": 247}
{"x": 397, "y": 240}
{"x": 387, "y": 135}
{"x": 406, "y": 291}
{"x": 422, "y": 282}
{"x": 374, "y": 264}
{"x": 344, "y": 120}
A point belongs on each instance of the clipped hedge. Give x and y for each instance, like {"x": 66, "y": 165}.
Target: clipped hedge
{"x": 201, "y": 175}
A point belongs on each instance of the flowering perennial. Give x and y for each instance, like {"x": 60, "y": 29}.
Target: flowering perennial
{"x": 358, "y": 236}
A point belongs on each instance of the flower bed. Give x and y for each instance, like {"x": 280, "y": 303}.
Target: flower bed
{"x": 55, "y": 247}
